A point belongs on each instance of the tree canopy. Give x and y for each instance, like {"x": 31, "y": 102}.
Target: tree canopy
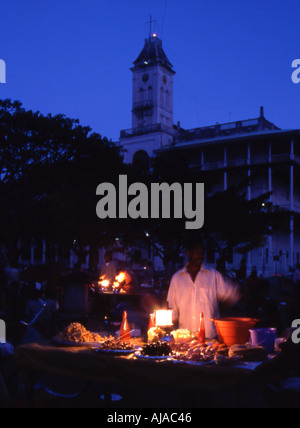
{"x": 50, "y": 167}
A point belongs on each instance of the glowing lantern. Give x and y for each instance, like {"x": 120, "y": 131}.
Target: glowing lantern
{"x": 164, "y": 318}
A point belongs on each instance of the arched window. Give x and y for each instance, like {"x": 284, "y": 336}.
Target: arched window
{"x": 141, "y": 160}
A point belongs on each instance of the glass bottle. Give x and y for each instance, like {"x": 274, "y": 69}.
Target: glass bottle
{"x": 201, "y": 333}
{"x": 125, "y": 328}
{"x": 151, "y": 321}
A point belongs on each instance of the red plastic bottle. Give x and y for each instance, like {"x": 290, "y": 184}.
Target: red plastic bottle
{"x": 152, "y": 321}
{"x": 125, "y": 329}
{"x": 201, "y": 333}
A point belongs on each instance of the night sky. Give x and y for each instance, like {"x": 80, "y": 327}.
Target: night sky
{"x": 73, "y": 57}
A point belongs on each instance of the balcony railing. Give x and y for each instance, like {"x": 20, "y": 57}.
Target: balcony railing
{"x": 258, "y": 160}
{"x": 158, "y": 127}
{"x": 143, "y": 105}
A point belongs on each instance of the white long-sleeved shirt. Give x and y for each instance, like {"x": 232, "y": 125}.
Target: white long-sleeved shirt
{"x": 109, "y": 270}
{"x": 188, "y": 299}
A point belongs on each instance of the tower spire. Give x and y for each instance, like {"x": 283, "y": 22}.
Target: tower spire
{"x": 150, "y": 26}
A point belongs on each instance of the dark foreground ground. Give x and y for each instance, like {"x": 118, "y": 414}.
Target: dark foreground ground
{"x": 90, "y": 395}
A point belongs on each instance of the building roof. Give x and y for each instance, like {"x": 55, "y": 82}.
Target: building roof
{"x": 153, "y": 53}
{"x": 227, "y": 129}
{"x": 232, "y": 138}
{"x": 225, "y": 132}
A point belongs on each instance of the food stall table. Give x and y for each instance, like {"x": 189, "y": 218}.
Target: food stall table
{"x": 86, "y": 364}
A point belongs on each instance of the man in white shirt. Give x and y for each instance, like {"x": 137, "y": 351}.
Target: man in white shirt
{"x": 109, "y": 270}
{"x": 196, "y": 289}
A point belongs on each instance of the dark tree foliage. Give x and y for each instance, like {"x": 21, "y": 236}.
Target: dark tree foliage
{"x": 50, "y": 167}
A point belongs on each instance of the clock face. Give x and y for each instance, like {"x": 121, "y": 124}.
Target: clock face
{"x": 145, "y": 78}
{"x": 165, "y": 79}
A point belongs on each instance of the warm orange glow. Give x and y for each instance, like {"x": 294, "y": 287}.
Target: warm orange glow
{"x": 121, "y": 278}
{"x": 105, "y": 283}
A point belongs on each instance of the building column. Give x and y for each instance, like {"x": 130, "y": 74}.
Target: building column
{"x": 19, "y": 246}
{"x": 225, "y": 170}
{"x": 56, "y": 253}
{"x": 249, "y": 171}
{"x": 72, "y": 259}
{"x": 44, "y": 252}
{"x": 249, "y": 255}
{"x": 202, "y": 159}
{"x": 291, "y": 256}
{"x": 32, "y": 247}
{"x": 270, "y": 188}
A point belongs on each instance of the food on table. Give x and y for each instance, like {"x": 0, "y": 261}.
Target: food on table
{"x": 182, "y": 334}
{"x": 194, "y": 351}
{"x": 198, "y": 353}
{"x": 223, "y": 360}
{"x": 155, "y": 334}
{"x": 156, "y": 349}
{"x": 248, "y": 352}
{"x": 77, "y": 333}
{"x": 221, "y": 349}
{"x": 116, "y": 345}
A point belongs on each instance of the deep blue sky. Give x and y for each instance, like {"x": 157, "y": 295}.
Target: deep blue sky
{"x": 231, "y": 57}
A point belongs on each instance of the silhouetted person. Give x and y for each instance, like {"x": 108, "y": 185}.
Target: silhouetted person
{"x": 221, "y": 266}
{"x": 296, "y": 277}
{"x": 252, "y": 283}
{"x": 130, "y": 283}
{"x": 242, "y": 272}
{"x": 14, "y": 302}
{"x": 261, "y": 306}
{"x": 77, "y": 277}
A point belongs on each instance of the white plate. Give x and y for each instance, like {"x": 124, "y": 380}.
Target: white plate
{"x": 148, "y": 357}
{"x": 114, "y": 351}
{"x": 194, "y": 363}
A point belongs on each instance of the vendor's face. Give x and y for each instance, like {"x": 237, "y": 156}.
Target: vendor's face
{"x": 107, "y": 258}
{"x": 196, "y": 257}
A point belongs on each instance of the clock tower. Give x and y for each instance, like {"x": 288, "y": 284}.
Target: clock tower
{"x": 152, "y": 102}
